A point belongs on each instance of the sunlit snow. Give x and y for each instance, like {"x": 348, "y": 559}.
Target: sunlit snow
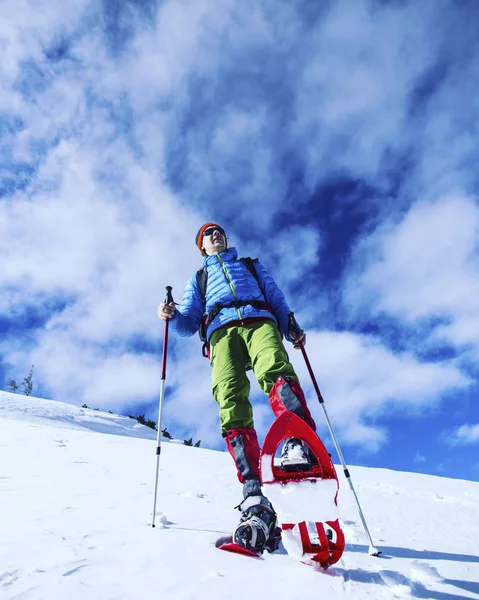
{"x": 76, "y": 495}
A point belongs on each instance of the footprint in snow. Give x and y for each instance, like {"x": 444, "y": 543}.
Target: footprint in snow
{"x": 215, "y": 574}
{"x": 191, "y": 494}
{"x": 425, "y": 573}
{"x": 396, "y": 582}
{"x": 72, "y": 571}
{"x": 7, "y": 578}
{"x": 161, "y": 521}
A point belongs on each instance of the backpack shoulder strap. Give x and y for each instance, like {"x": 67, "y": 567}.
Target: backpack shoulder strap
{"x": 202, "y": 280}
{"x": 249, "y": 264}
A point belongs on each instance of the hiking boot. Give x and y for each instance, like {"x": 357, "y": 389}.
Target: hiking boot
{"x": 257, "y": 526}
{"x": 295, "y": 456}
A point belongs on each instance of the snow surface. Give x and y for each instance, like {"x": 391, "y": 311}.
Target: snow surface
{"x": 76, "y": 499}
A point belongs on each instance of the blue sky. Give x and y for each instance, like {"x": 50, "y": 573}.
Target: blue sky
{"x": 334, "y": 140}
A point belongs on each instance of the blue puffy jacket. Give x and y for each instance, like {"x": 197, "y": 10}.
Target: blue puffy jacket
{"x": 229, "y": 280}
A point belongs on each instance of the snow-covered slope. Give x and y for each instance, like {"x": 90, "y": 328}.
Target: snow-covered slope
{"x": 76, "y": 495}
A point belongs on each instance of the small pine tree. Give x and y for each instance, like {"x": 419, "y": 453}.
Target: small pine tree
{"x": 84, "y": 406}
{"x": 188, "y": 442}
{"x": 197, "y": 445}
{"x": 27, "y": 383}
{"x": 13, "y": 386}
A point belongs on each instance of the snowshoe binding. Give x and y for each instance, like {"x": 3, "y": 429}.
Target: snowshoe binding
{"x": 295, "y": 456}
{"x": 257, "y": 529}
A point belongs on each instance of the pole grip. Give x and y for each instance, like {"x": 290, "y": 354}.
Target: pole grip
{"x": 293, "y": 327}
{"x": 168, "y": 299}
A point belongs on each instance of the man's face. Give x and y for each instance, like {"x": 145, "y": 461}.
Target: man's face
{"x": 214, "y": 240}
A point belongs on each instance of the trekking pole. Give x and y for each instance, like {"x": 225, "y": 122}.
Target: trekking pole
{"x": 168, "y": 299}
{"x": 372, "y": 551}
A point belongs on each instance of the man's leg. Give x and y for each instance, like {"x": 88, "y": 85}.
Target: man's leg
{"x": 274, "y": 372}
{"x": 258, "y": 524}
{"x": 231, "y": 387}
{"x": 286, "y": 394}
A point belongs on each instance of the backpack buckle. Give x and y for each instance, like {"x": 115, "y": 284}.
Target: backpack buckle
{"x": 205, "y": 350}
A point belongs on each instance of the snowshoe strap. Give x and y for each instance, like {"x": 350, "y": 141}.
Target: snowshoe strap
{"x": 252, "y": 501}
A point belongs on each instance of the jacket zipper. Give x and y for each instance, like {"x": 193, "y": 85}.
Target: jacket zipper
{"x": 230, "y": 283}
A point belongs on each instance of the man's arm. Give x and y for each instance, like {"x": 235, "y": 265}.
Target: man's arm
{"x": 277, "y": 300}
{"x": 185, "y": 320}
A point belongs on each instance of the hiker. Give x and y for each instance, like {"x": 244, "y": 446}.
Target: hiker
{"x": 242, "y": 316}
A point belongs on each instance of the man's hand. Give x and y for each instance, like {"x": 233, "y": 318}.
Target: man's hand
{"x": 295, "y": 332}
{"x": 166, "y": 311}
{"x": 300, "y": 338}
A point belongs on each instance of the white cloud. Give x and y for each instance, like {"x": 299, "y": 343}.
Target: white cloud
{"x": 94, "y": 375}
{"x": 290, "y": 255}
{"x": 465, "y": 434}
{"x": 426, "y": 266}
{"x": 354, "y": 97}
{"x": 25, "y": 30}
{"x": 360, "y": 379}
{"x": 419, "y": 458}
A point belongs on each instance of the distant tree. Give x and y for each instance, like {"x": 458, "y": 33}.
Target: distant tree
{"x": 27, "y": 383}
{"x": 165, "y": 433}
{"x": 85, "y": 406}
{"x": 12, "y": 384}
{"x": 147, "y": 422}
{"x": 189, "y": 442}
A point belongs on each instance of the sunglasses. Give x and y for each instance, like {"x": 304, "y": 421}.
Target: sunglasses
{"x": 210, "y": 230}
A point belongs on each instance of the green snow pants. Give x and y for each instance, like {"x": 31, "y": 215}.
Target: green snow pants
{"x": 233, "y": 350}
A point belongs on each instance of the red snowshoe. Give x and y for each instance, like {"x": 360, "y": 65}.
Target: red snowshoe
{"x": 303, "y": 499}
